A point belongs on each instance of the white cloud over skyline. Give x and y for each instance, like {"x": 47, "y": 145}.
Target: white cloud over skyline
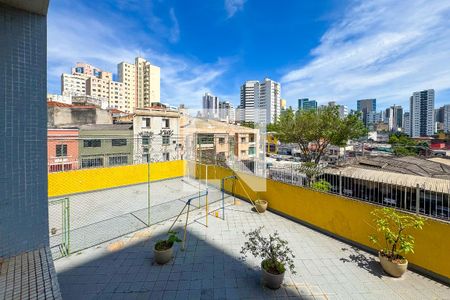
{"x": 102, "y": 44}
{"x": 378, "y": 49}
{"x": 233, "y": 6}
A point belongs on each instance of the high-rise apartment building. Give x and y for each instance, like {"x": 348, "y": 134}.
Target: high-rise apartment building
{"x": 306, "y": 104}
{"x": 446, "y": 117}
{"x": 147, "y": 83}
{"x": 366, "y": 107}
{"x": 343, "y": 111}
{"x": 126, "y": 74}
{"x": 394, "y": 117}
{"x": 267, "y": 101}
{"x": 422, "y": 113}
{"x": 210, "y": 106}
{"x": 406, "y": 123}
{"x": 73, "y": 85}
{"x": 138, "y": 84}
{"x": 227, "y": 112}
{"x": 248, "y": 94}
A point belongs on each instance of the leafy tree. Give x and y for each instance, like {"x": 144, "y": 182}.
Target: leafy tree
{"x": 271, "y": 127}
{"x": 403, "y": 145}
{"x": 248, "y": 124}
{"x": 315, "y": 130}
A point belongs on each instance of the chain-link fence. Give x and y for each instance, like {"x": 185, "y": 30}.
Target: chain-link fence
{"x": 90, "y": 204}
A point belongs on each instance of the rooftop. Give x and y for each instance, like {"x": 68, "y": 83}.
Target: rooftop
{"x": 211, "y": 268}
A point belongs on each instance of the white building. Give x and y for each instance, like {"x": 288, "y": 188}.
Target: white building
{"x": 210, "y": 106}
{"x": 227, "y": 112}
{"x": 268, "y": 102}
{"x": 67, "y": 99}
{"x": 343, "y": 111}
{"x": 394, "y": 117}
{"x": 126, "y": 74}
{"x": 261, "y": 101}
{"x": 156, "y": 135}
{"x": 422, "y": 113}
{"x": 148, "y": 79}
{"x": 73, "y": 85}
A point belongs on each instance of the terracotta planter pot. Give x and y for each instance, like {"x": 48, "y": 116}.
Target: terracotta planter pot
{"x": 393, "y": 269}
{"x": 164, "y": 256}
{"x": 261, "y": 205}
{"x": 272, "y": 281}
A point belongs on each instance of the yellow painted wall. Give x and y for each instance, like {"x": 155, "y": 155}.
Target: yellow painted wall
{"x": 342, "y": 216}
{"x": 84, "y": 180}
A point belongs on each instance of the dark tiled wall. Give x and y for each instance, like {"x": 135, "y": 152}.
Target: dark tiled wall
{"x": 23, "y": 132}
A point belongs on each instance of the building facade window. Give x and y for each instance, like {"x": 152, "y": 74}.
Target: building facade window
{"x": 221, "y": 140}
{"x": 165, "y": 123}
{"x": 146, "y": 123}
{"x": 119, "y": 142}
{"x": 61, "y": 150}
{"x": 165, "y": 139}
{"x": 118, "y": 160}
{"x": 92, "y": 162}
{"x": 242, "y": 139}
{"x": 145, "y": 140}
{"x": 166, "y": 156}
{"x": 92, "y": 143}
{"x": 251, "y": 150}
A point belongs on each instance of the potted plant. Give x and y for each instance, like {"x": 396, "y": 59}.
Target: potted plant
{"x": 393, "y": 226}
{"x": 163, "y": 249}
{"x": 275, "y": 255}
{"x": 260, "y": 205}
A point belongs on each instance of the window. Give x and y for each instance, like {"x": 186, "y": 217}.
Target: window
{"x": 166, "y": 156}
{"x": 92, "y": 162}
{"x": 242, "y": 139}
{"x": 61, "y": 150}
{"x": 251, "y": 150}
{"x": 205, "y": 139}
{"x": 92, "y": 143}
{"x": 221, "y": 140}
{"x": 243, "y": 152}
{"x": 118, "y": 160}
{"x": 252, "y": 138}
{"x": 146, "y": 122}
{"x": 165, "y": 139}
{"x": 165, "y": 123}
{"x": 119, "y": 142}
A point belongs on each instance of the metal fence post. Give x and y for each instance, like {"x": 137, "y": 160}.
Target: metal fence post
{"x": 417, "y": 198}
{"x": 66, "y": 225}
{"x": 340, "y": 183}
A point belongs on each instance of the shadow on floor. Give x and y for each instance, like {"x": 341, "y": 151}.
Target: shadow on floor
{"x": 364, "y": 261}
{"x": 127, "y": 270}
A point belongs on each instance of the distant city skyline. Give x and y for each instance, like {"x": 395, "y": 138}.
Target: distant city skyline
{"x": 322, "y": 51}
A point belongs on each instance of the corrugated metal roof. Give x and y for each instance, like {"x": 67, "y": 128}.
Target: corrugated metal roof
{"x": 427, "y": 183}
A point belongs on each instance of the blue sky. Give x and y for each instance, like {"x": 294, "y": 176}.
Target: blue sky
{"x": 329, "y": 50}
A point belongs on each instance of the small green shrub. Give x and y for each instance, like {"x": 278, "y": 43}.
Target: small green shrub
{"x": 321, "y": 185}
{"x": 273, "y": 250}
{"x": 393, "y": 226}
{"x": 167, "y": 244}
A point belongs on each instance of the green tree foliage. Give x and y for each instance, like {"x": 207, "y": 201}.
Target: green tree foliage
{"x": 403, "y": 145}
{"x": 315, "y": 130}
{"x": 393, "y": 227}
{"x": 321, "y": 185}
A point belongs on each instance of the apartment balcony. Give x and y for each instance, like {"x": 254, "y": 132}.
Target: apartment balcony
{"x": 103, "y": 244}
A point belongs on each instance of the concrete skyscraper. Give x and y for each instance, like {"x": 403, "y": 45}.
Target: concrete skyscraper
{"x": 261, "y": 101}
{"x": 367, "y": 107}
{"x": 210, "y": 106}
{"x": 394, "y": 115}
{"x": 247, "y": 104}
{"x": 421, "y": 111}
{"x": 147, "y": 83}
{"x": 306, "y": 104}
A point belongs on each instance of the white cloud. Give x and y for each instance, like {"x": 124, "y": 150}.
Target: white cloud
{"x": 383, "y": 49}
{"x": 103, "y": 44}
{"x": 233, "y": 6}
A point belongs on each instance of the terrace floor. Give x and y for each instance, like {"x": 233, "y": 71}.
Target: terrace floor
{"x": 210, "y": 267}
